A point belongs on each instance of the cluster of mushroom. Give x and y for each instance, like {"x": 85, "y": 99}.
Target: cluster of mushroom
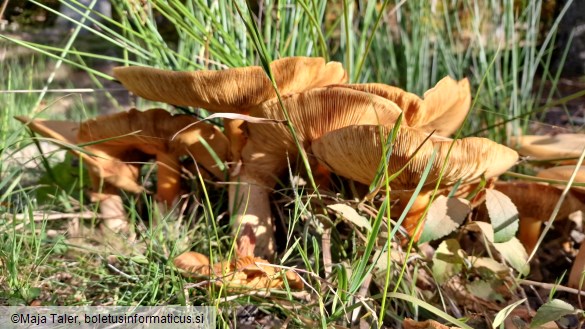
{"x": 537, "y": 201}
{"x": 341, "y": 127}
{"x": 114, "y": 147}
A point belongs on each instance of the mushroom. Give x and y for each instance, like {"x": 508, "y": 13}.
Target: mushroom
{"x": 264, "y": 157}
{"x": 535, "y": 203}
{"x": 235, "y": 90}
{"x": 442, "y": 110}
{"x": 115, "y": 146}
{"x": 551, "y": 147}
{"x": 564, "y": 173}
{"x": 574, "y": 201}
{"x": 355, "y": 152}
{"x": 244, "y": 273}
{"x": 134, "y": 134}
{"x": 64, "y": 134}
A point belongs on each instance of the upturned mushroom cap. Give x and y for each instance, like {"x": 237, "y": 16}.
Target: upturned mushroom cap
{"x": 231, "y": 90}
{"x": 312, "y": 113}
{"x": 442, "y": 110}
{"x": 135, "y": 135}
{"x": 355, "y": 152}
{"x": 550, "y": 147}
{"x": 269, "y": 147}
{"x": 117, "y": 145}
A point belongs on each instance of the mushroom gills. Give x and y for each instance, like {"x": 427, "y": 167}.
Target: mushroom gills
{"x": 355, "y": 153}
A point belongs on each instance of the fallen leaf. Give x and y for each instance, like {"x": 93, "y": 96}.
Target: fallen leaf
{"x": 445, "y": 215}
{"x": 503, "y": 215}
{"x": 351, "y": 215}
{"x": 446, "y": 261}
{"x": 428, "y": 324}
{"x": 490, "y": 264}
{"x": 245, "y": 273}
{"x": 515, "y": 254}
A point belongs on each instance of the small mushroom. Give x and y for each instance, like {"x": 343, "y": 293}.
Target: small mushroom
{"x": 535, "y": 203}
{"x": 574, "y": 201}
{"x": 442, "y": 110}
{"x": 355, "y": 152}
{"x": 235, "y": 90}
{"x": 271, "y": 145}
{"x": 115, "y": 146}
{"x": 551, "y": 147}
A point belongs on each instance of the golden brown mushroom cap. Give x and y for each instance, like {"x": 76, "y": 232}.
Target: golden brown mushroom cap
{"x": 312, "y": 113}
{"x": 153, "y": 132}
{"x": 63, "y": 131}
{"x": 119, "y": 174}
{"x": 355, "y": 152}
{"x": 231, "y": 90}
{"x": 117, "y": 145}
{"x": 564, "y": 173}
{"x": 443, "y": 109}
{"x": 535, "y": 203}
{"x": 551, "y": 147}
{"x": 537, "y": 200}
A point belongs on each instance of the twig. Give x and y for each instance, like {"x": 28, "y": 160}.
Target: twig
{"x": 361, "y": 297}
{"x": 39, "y": 216}
{"x": 550, "y": 286}
{"x": 3, "y": 9}
{"x": 129, "y": 277}
{"x": 326, "y": 249}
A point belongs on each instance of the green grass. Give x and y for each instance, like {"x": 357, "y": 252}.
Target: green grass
{"x": 410, "y": 44}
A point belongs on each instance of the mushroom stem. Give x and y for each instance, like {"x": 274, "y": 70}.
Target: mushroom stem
{"x": 169, "y": 177}
{"x": 249, "y": 202}
{"x": 529, "y": 231}
{"x": 111, "y": 211}
{"x": 321, "y": 175}
{"x": 236, "y": 136}
{"x": 414, "y": 213}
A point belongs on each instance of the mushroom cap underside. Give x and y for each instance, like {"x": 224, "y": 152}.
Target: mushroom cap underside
{"x": 538, "y": 200}
{"x": 314, "y": 113}
{"x": 230, "y": 90}
{"x": 154, "y": 132}
{"x": 270, "y": 146}
{"x": 355, "y": 152}
{"x": 119, "y": 174}
{"x": 115, "y": 146}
